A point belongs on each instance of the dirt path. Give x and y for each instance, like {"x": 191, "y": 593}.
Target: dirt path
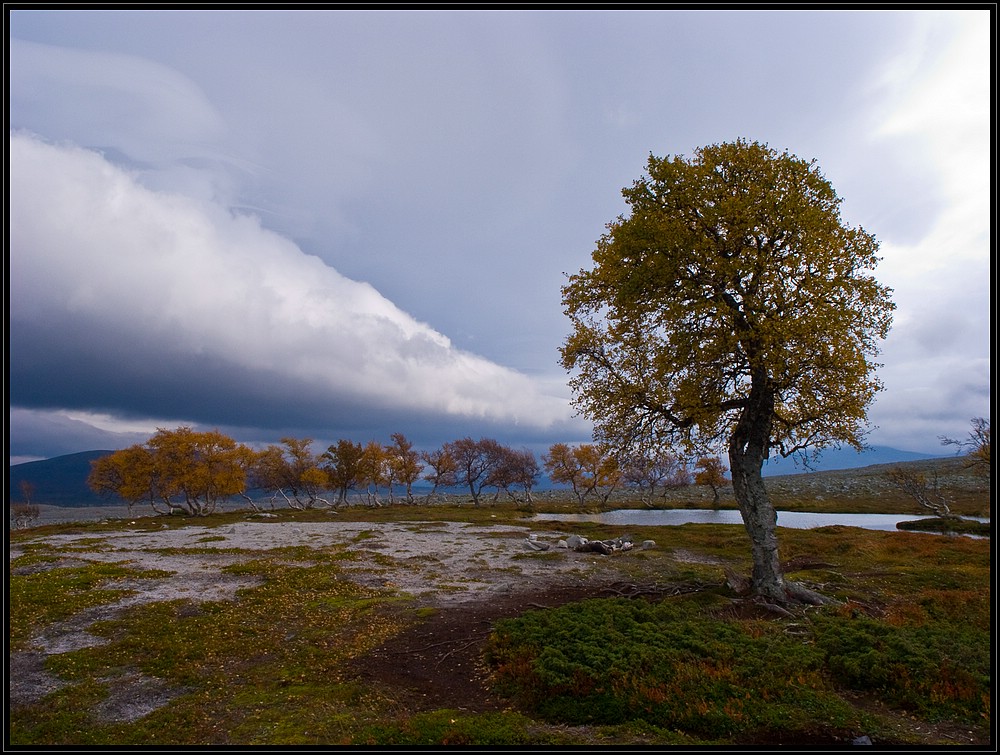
{"x": 436, "y": 663}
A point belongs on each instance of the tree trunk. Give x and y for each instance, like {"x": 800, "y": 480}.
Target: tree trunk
{"x": 748, "y": 450}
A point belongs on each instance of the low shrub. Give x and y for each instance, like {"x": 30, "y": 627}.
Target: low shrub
{"x": 449, "y": 727}
{"x": 677, "y": 665}
{"x": 936, "y": 669}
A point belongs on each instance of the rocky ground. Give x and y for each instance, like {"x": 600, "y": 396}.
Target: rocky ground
{"x": 474, "y": 574}
{"x": 485, "y": 571}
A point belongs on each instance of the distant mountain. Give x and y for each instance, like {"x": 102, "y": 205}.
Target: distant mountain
{"x": 846, "y": 458}
{"x": 60, "y": 481}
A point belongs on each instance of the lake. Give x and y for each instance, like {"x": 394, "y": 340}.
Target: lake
{"x": 794, "y": 519}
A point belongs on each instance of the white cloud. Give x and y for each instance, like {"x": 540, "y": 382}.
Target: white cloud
{"x": 111, "y": 423}
{"x": 943, "y": 97}
{"x": 92, "y": 248}
{"x": 937, "y": 368}
{"x": 458, "y": 162}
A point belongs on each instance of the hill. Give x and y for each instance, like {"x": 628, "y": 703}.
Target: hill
{"x": 834, "y": 459}
{"x": 60, "y": 481}
{"x": 869, "y": 489}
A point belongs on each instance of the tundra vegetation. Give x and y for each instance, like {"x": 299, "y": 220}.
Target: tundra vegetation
{"x": 670, "y": 654}
{"x": 675, "y": 654}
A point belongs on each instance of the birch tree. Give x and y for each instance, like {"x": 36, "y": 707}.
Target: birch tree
{"x": 734, "y": 306}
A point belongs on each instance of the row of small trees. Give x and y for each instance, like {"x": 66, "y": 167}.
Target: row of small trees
{"x": 591, "y": 471}
{"x": 191, "y": 472}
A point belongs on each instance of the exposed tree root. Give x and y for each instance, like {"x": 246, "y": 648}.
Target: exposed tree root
{"x": 798, "y": 593}
{"x": 795, "y": 593}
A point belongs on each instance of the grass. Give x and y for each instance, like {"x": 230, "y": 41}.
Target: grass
{"x": 911, "y": 631}
{"x": 41, "y": 598}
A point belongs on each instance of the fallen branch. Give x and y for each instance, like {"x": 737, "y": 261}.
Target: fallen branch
{"x": 631, "y": 590}
{"x": 463, "y": 647}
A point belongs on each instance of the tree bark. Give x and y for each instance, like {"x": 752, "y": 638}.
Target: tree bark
{"x": 748, "y": 450}
{"x": 760, "y": 520}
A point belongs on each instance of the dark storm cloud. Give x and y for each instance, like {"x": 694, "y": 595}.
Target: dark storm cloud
{"x": 126, "y": 299}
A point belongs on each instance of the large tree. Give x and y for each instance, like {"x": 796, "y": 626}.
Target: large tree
{"x": 733, "y": 308}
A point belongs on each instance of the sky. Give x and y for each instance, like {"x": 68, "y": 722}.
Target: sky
{"x": 337, "y": 224}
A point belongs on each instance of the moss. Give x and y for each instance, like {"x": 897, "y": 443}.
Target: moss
{"x": 39, "y": 598}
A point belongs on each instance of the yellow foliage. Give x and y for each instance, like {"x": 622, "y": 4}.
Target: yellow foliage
{"x": 733, "y": 263}
{"x": 178, "y": 468}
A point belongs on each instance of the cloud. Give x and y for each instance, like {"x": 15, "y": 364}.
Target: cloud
{"x": 941, "y": 97}
{"x": 937, "y": 93}
{"x": 459, "y": 163}
{"x": 44, "y": 434}
{"x": 128, "y": 300}
{"x": 150, "y": 111}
